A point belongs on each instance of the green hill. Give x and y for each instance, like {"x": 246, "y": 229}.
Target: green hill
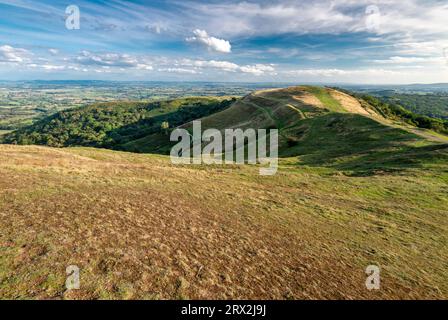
{"x": 322, "y": 126}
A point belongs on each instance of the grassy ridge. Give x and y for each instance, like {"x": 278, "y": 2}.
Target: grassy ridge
{"x": 393, "y": 110}
{"x": 359, "y": 144}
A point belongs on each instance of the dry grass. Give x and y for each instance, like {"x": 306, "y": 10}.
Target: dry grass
{"x": 139, "y": 227}
{"x": 348, "y": 102}
{"x": 309, "y": 99}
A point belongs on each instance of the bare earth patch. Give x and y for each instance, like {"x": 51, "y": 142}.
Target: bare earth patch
{"x": 348, "y": 102}
{"x": 309, "y": 99}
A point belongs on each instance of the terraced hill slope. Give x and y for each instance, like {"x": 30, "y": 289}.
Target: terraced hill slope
{"x": 324, "y": 127}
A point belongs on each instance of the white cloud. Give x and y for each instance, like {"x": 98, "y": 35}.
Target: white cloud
{"x": 408, "y": 60}
{"x": 427, "y": 48}
{"x": 179, "y": 70}
{"x": 338, "y": 72}
{"x": 221, "y": 65}
{"x": 11, "y": 54}
{"x": 258, "y": 69}
{"x": 227, "y": 66}
{"x": 249, "y": 18}
{"x": 52, "y": 67}
{"x": 156, "y": 28}
{"x": 414, "y": 18}
{"x": 316, "y": 72}
{"x": 107, "y": 59}
{"x": 53, "y": 51}
{"x": 212, "y": 43}
{"x": 143, "y": 66}
{"x": 47, "y": 67}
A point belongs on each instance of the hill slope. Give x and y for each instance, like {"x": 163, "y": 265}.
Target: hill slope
{"x": 139, "y": 227}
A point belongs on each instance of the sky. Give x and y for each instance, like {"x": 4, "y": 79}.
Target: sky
{"x": 351, "y": 41}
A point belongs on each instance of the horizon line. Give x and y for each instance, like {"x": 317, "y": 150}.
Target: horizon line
{"x": 234, "y": 82}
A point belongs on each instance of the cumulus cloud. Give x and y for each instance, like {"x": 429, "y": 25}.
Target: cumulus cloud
{"x": 212, "y": 43}
{"x": 221, "y": 65}
{"x": 11, "y": 54}
{"x": 109, "y": 60}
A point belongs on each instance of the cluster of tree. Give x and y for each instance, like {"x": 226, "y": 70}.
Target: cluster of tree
{"x": 431, "y": 105}
{"x": 109, "y": 125}
{"x": 398, "y": 112}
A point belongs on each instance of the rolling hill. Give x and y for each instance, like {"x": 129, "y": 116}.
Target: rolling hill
{"x": 323, "y": 126}
{"x": 354, "y": 188}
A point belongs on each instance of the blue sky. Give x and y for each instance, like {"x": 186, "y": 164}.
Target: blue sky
{"x": 360, "y": 41}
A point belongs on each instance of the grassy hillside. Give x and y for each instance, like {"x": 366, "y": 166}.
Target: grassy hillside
{"x": 354, "y": 188}
{"x": 393, "y": 109}
{"x": 3, "y": 132}
{"x": 139, "y": 227}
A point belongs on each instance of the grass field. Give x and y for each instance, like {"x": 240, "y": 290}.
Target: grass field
{"x": 139, "y": 227}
